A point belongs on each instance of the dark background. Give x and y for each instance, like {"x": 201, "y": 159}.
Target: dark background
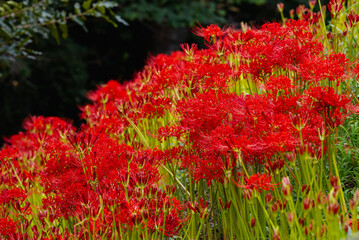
{"x": 56, "y": 83}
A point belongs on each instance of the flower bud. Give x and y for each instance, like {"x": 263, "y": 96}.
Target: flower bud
{"x": 311, "y": 225}
{"x": 274, "y": 207}
{"x": 286, "y": 186}
{"x": 306, "y": 203}
{"x": 346, "y": 228}
{"x": 253, "y": 222}
{"x": 323, "y": 230}
{"x": 312, "y": 3}
{"x": 333, "y": 181}
{"x": 291, "y": 13}
{"x": 268, "y": 198}
{"x": 290, "y": 217}
{"x": 305, "y": 189}
{"x": 280, "y": 7}
{"x": 301, "y": 221}
{"x": 276, "y": 235}
{"x": 333, "y": 208}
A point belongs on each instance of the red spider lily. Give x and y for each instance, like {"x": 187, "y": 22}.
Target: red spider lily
{"x": 7, "y": 227}
{"x": 257, "y": 182}
{"x": 8, "y": 153}
{"x": 104, "y": 175}
{"x": 189, "y": 50}
{"x": 353, "y": 19}
{"x": 334, "y": 7}
{"x": 356, "y": 70}
{"x": 225, "y": 206}
{"x": 200, "y": 208}
{"x": 333, "y": 106}
{"x": 111, "y": 91}
{"x": 37, "y": 129}
{"x": 276, "y": 84}
{"x": 155, "y": 107}
{"x": 300, "y": 10}
{"x": 48, "y": 125}
{"x": 209, "y": 33}
{"x": 92, "y": 169}
{"x": 312, "y": 17}
{"x": 334, "y": 67}
{"x": 259, "y": 126}
{"x": 12, "y": 195}
{"x": 350, "y": 223}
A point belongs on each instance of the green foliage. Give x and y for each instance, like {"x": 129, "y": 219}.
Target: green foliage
{"x": 177, "y": 13}
{"x": 53, "y": 84}
{"x": 173, "y": 13}
{"x": 348, "y": 155}
{"x": 23, "y": 21}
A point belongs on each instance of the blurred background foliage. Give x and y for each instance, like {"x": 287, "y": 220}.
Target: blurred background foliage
{"x": 53, "y": 52}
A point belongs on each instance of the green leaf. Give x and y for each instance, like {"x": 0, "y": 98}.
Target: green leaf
{"x": 12, "y": 3}
{"x": 5, "y": 30}
{"x": 80, "y": 22}
{"x": 6, "y": 7}
{"x": 108, "y": 4}
{"x": 55, "y": 32}
{"x": 24, "y": 42}
{"x": 87, "y": 4}
{"x": 94, "y": 13}
{"x": 77, "y": 8}
{"x": 63, "y": 28}
{"x": 110, "y": 21}
{"x": 101, "y": 9}
{"x": 121, "y": 20}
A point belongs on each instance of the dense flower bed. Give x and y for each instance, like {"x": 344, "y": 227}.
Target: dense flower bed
{"x": 236, "y": 140}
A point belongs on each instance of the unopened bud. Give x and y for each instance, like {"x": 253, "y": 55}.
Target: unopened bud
{"x": 291, "y": 13}
{"x": 301, "y": 221}
{"x": 276, "y": 235}
{"x": 323, "y": 230}
{"x": 268, "y": 198}
{"x": 280, "y": 7}
{"x": 286, "y": 186}
{"x": 333, "y": 208}
{"x": 253, "y": 222}
{"x": 290, "y": 217}
{"x": 346, "y": 228}
{"x": 306, "y": 203}
{"x": 312, "y": 3}
{"x": 274, "y": 207}
{"x": 305, "y": 189}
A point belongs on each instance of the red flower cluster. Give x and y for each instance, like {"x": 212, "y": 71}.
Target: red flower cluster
{"x": 258, "y": 182}
{"x": 7, "y": 227}
{"x": 251, "y": 97}
{"x": 92, "y": 172}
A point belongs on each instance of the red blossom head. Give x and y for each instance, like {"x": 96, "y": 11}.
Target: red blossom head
{"x": 7, "y": 227}
{"x": 210, "y": 33}
{"x": 258, "y": 182}
{"x": 334, "y": 7}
